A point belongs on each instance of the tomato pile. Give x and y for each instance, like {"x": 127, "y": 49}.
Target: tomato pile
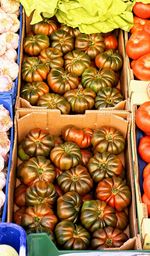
{"x": 138, "y": 45}
{"x": 70, "y": 71}
{"x": 143, "y": 122}
{"x": 73, "y": 187}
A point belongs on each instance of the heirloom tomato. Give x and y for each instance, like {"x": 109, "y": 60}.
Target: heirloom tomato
{"x": 108, "y": 139}
{"x": 82, "y": 137}
{"x": 18, "y": 215}
{"x": 20, "y": 195}
{"x": 39, "y": 218}
{"x": 66, "y": 156}
{"x": 76, "y": 62}
{"x": 108, "y": 237}
{"x": 54, "y": 101}
{"x": 33, "y": 91}
{"x": 76, "y": 179}
{"x": 122, "y": 219}
{"x": 115, "y": 192}
{"x": 68, "y": 206}
{"x": 72, "y": 236}
{"x": 96, "y": 214}
{"x": 61, "y": 81}
{"x": 34, "y": 169}
{"x": 110, "y": 59}
{"x": 37, "y": 142}
{"x": 41, "y": 192}
{"x": 104, "y": 165}
{"x": 33, "y": 70}
{"x": 71, "y": 31}
{"x": 107, "y": 98}
{"x": 33, "y": 45}
{"x": 97, "y": 79}
{"x": 45, "y": 27}
{"x": 52, "y": 57}
{"x": 86, "y": 155}
{"x": 80, "y": 99}
{"x": 62, "y": 41}
{"x": 91, "y": 44}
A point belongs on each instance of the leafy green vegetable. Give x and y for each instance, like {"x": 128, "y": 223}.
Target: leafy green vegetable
{"x": 90, "y": 16}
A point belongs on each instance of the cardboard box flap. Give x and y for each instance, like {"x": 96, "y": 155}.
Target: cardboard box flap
{"x": 51, "y": 120}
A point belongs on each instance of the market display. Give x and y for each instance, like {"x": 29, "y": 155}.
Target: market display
{"x": 70, "y": 69}
{"x": 60, "y": 193}
{"x": 71, "y": 187}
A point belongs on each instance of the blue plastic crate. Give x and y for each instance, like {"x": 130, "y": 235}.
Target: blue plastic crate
{"x": 13, "y": 91}
{"x": 141, "y": 163}
{"x": 7, "y": 103}
{"x": 13, "y": 235}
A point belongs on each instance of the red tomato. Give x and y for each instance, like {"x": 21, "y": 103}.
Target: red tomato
{"x": 142, "y": 10}
{"x": 144, "y": 148}
{"x": 146, "y": 171}
{"x": 142, "y": 117}
{"x": 111, "y": 42}
{"x": 138, "y": 45}
{"x": 146, "y": 186}
{"x": 141, "y": 67}
{"x": 146, "y": 201}
{"x": 140, "y": 25}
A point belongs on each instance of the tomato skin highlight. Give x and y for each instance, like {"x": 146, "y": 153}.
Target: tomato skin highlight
{"x": 140, "y": 25}
{"x": 144, "y": 148}
{"x": 142, "y": 117}
{"x": 138, "y": 45}
{"x": 142, "y": 10}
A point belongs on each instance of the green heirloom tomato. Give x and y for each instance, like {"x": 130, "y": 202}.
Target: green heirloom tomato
{"x": 39, "y": 218}
{"x": 107, "y": 97}
{"x": 91, "y": 44}
{"x": 108, "y": 139}
{"x": 33, "y": 45}
{"x": 33, "y": 70}
{"x": 34, "y": 169}
{"x": 96, "y": 214}
{"x": 33, "y": 91}
{"x": 80, "y": 99}
{"x": 76, "y": 179}
{"x": 71, "y": 31}
{"x": 68, "y": 206}
{"x": 45, "y": 27}
{"x": 76, "y": 62}
{"x": 37, "y": 143}
{"x": 104, "y": 165}
{"x": 122, "y": 219}
{"x": 72, "y": 236}
{"x": 61, "y": 81}
{"x": 110, "y": 59}
{"x": 108, "y": 238}
{"x": 41, "y": 192}
{"x": 52, "y": 57}
{"x": 97, "y": 79}
{"x": 54, "y": 101}
{"x": 115, "y": 192}
{"x": 62, "y": 41}
{"x": 66, "y": 156}
{"x": 20, "y": 195}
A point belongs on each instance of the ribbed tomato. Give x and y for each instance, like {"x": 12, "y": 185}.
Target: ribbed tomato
{"x": 82, "y": 137}
{"x": 20, "y": 195}
{"x": 62, "y": 41}
{"x": 110, "y": 59}
{"x": 115, "y": 192}
{"x": 33, "y": 45}
{"x": 52, "y": 57}
{"x": 45, "y": 27}
{"x": 96, "y": 214}
{"x": 108, "y": 238}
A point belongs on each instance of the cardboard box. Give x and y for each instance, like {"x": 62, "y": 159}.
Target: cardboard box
{"x": 27, "y": 120}
{"x": 143, "y": 220}
{"x": 22, "y": 103}
{"x": 137, "y": 89}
